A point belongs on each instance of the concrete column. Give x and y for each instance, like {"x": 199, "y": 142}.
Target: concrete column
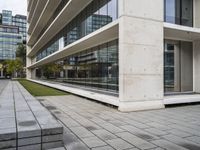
{"x": 196, "y": 13}
{"x": 186, "y": 66}
{"x": 28, "y": 63}
{"x": 196, "y": 62}
{"x": 140, "y": 54}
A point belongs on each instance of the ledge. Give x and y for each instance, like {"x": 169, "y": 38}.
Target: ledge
{"x": 32, "y": 8}
{"x": 88, "y": 94}
{"x": 181, "y": 99}
{"x": 46, "y": 14}
{"x": 37, "y": 12}
{"x": 178, "y": 32}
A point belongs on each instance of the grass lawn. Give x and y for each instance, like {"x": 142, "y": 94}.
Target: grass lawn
{"x": 40, "y": 90}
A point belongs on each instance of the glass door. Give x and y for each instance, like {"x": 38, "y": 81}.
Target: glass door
{"x": 178, "y": 67}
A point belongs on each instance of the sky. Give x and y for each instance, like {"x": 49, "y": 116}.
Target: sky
{"x": 16, "y": 6}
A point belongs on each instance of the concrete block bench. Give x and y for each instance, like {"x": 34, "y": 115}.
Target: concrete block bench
{"x": 24, "y": 123}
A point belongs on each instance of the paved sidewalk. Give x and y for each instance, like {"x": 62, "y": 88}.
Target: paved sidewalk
{"x": 91, "y": 125}
{"x": 3, "y": 84}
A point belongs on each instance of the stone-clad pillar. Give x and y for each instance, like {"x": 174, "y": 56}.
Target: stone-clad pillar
{"x": 140, "y": 54}
{"x": 196, "y": 61}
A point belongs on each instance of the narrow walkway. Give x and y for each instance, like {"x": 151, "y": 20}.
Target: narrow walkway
{"x": 90, "y": 125}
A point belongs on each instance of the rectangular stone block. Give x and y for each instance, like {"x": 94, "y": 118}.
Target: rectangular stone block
{"x": 29, "y": 141}
{"x": 7, "y": 144}
{"x": 7, "y": 134}
{"x": 50, "y": 129}
{"x": 30, "y": 147}
{"x": 24, "y": 132}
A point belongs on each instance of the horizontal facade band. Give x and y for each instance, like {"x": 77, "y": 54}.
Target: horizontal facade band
{"x": 103, "y": 35}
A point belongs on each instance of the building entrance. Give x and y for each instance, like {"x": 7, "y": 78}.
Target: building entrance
{"x": 178, "y": 67}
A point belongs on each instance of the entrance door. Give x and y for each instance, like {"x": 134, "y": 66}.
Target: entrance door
{"x": 178, "y": 66}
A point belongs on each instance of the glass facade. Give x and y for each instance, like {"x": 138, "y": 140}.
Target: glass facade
{"x": 179, "y": 12}
{"x": 9, "y": 38}
{"x": 7, "y": 17}
{"x": 20, "y": 22}
{"x": 96, "y": 67}
{"x": 96, "y": 15}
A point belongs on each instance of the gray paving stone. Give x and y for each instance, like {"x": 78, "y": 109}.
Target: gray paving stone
{"x": 110, "y": 127}
{"x": 195, "y": 139}
{"x": 156, "y": 131}
{"x": 103, "y": 148}
{"x": 81, "y": 132}
{"x": 104, "y": 134}
{"x": 69, "y": 122}
{"x": 119, "y": 144}
{"x": 140, "y": 133}
{"x": 179, "y": 133}
{"x": 182, "y": 142}
{"x": 136, "y": 141}
{"x": 92, "y": 142}
{"x": 168, "y": 145}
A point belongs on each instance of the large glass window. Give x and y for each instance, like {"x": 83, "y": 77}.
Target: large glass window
{"x": 96, "y": 15}
{"x": 179, "y": 12}
{"x": 95, "y": 67}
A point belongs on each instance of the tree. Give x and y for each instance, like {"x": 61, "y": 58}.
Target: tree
{"x": 14, "y": 67}
{"x": 50, "y": 70}
{"x": 21, "y": 53}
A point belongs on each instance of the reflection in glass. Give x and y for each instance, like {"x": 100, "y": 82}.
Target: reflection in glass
{"x": 96, "y": 15}
{"x": 179, "y": 12}
{"x": 96, "y": 67}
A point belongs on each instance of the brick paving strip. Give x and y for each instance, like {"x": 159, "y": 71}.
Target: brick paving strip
{"x": 24, "y": 123}
{"x": 91, "y": 125}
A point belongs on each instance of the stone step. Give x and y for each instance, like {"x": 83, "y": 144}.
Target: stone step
{"x": 24, "y": 123}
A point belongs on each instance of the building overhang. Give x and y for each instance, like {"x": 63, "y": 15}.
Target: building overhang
{"x": 46, "y": 14}
{"x": 103, "y": 35}
{"x": 37, "y": 12}
{"x": 178, "y": 32}
{"x": 29, "y": 2}
{"x": 32, "y": 8}
{"x": 72, "y": 8}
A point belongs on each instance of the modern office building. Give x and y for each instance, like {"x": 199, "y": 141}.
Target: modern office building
{"x": 134, "y": 54}
{"x": 12, "y": 32}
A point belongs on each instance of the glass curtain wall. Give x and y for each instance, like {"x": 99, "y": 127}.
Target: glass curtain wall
{"x": 96, "y": 67}
{"x": 96, "y": 15}
{"x": 179, "y": 12}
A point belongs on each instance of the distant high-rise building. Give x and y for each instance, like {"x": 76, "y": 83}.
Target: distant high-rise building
{"x": 12, "y": 33}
